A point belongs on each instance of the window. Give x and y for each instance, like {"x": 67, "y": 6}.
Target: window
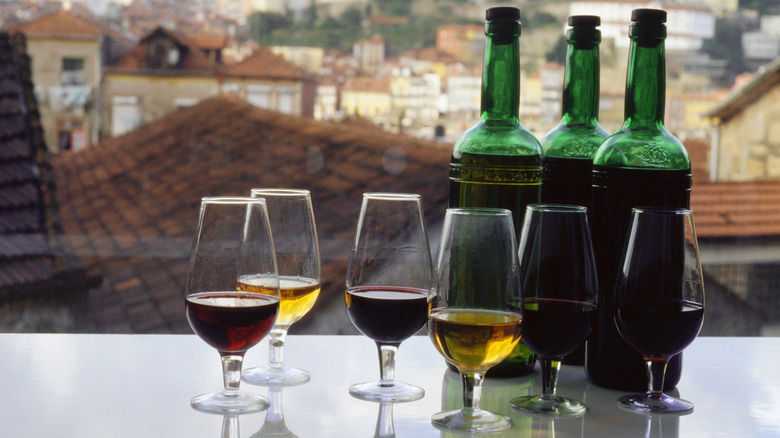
{"x": 73, "y": 72}
{"x": 71, "y": 134}
{"x": 259, "y": 95}
{"x": 286, "y": 100}
{"x": 125, "y": 114}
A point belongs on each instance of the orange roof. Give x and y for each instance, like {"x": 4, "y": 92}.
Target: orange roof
{"x": 731, "y": 209}
{"x": 365, "y": 83}
{"x": 138, "y": 194}
{"x": 193, "y": 58}
{"x": 208, "y": 41}
{"x": 61, "y": 24}
{"x": 263, "y": 64}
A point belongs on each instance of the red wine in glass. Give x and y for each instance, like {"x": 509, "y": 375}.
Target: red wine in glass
{"x": 231, "y": 322}
{"x": 660, "y": 329}
{"x": 387, "y": 314}
{"x": 554, "y": 328}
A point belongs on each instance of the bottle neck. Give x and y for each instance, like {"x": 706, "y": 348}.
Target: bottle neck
{"x": 501, "y": 73}
{"x": 646, "y": 77}
{"x": 580, "y": 100}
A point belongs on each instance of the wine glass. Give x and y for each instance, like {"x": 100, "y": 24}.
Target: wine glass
{"x": 234, "y": 239}
{"x": 659, "y": 298}
{"x": 389, "y": 280}
{"x": 298, "y": 259}
{"x": 473, "y": 322}
{"x": 560, "y": 296}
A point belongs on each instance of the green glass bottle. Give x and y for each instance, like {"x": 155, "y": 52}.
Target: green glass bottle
{"x": 640, "y": 165}
{"x": 497, "y": 162}
{"x": 569, "y": 147}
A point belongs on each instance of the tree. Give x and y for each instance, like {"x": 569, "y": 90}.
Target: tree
{"x": 558, "y": 52}
{"x": 263, "y": 24}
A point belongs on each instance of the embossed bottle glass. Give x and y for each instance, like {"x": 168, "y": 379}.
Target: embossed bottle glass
{"x": 497, "y": 163}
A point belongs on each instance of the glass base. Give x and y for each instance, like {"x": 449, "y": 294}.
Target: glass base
{"x": 553, "y": 406}
{"x": 230, "y": 401}
{"x": 473, "y": 420}
{"x": 268, "y": 375}
{"x": 654, "y": 404}
{"x": 395, "y": 392}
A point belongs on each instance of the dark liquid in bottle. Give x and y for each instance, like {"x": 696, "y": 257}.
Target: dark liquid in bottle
{"x": 611, "y": 362}
{"x": 568, "y": 181}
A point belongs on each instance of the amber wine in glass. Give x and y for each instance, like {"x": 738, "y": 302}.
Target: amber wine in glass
{"x": 298, "y": 259}
{"x": 473, "y": 323}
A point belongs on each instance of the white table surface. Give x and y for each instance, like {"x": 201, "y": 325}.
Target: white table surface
{"x": 140, "y": 386}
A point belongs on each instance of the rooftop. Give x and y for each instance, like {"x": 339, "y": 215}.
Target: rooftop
{"x": 129, "y": 205}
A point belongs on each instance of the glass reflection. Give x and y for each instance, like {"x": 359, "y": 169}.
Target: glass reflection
{"x": 274, "y": 425}
{"x": 604, "y": 418}
{"x": 384, "y": 421}
{"x": 496, "y": 397}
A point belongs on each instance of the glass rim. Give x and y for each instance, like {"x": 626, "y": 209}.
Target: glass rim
{"x": 280, "y": 192}
{"x": 392, "y": 196}
{"x": 479, "y": 211}
{"x": 557, "y": 208}
{"x": 231, "y": 200}
{"x": 661, "y": 210}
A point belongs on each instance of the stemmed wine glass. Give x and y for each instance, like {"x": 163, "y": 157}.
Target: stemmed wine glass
{"x": 389, "y": 280}
{"x": 475, "y": 320}
{"x": 234, "y": 239}
{"x": 298, "y": 259}
{"x": 560, "y": 296}
{"x": 659, "y": 298}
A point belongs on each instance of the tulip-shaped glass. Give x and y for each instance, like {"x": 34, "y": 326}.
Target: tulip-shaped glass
{"x": 560, "y": 296}
{"x": 475, "y": 321}
{"x": 298, "y": 259}
{"x": 659, "y": 299}
{"x": 234, "y": 239}
{"x": 389, "y": 280}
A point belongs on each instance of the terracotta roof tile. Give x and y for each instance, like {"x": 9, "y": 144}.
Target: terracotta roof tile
{"x": 61, "y": 24}
{"x": 218, "y": 147}
{"x": 262, "y": 63}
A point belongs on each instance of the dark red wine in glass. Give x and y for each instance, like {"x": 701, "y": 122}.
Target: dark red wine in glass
{"x": 231, "y": 322}
{"x": 659, "y": 299}
{"x": 555, "y": 327}
{"x": 387, "y": 314}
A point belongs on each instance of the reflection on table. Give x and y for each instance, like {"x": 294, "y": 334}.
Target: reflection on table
{"x": 140, "y": 385}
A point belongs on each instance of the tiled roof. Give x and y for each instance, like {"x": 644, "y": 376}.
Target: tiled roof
{"x": 755, "y": 86}
{"x": 731, "y": 209}
{"x": 265, "y": 64}
{"x": 61, "y": 24}
{"x": 130, "y": 204}
{"x": 32, "y": 261}
{"x": 193, "y": 58}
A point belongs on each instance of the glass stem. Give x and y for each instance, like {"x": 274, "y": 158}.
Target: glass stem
{"x": 275, "y": 413}
{"x": 230, "y": 427}
{"x": 550, "y": 369}
{"x": 384, "y": 423}
{"x": 387, "y": 354}
{"x": 656, "y": 369}
{"x": 472, "y": 390}
{"x": 231, "y": 370}
{"x": 276, "y": 350}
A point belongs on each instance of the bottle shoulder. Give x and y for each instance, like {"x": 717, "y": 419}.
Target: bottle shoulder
{"x": 497, "y": 139}
{"x": 573, "y": 140}
{"x": 643, "y": 148}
